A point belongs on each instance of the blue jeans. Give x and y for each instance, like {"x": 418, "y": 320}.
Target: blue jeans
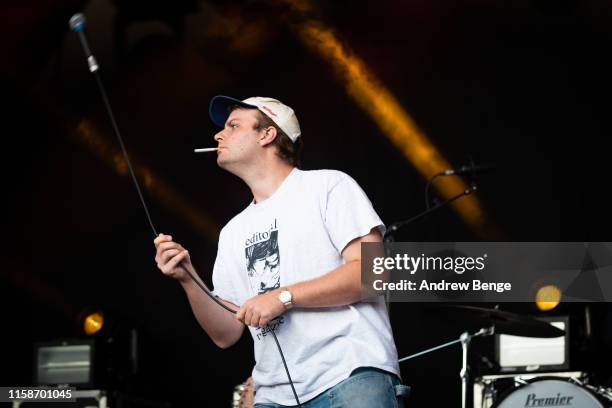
{"x": 367, "y": 387}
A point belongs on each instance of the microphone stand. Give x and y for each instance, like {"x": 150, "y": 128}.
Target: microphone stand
{"x": 388, "y": 238}
{"x": 465, "y": 337}
{"x": 400, "y": 224}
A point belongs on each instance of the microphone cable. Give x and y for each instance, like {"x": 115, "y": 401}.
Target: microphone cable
{"x": 77, "y": 24}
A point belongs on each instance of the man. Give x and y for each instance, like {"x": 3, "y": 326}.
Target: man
{"x": 293, "y": 254}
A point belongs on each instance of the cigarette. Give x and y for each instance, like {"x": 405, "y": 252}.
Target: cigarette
{"x": 208, "y": 149}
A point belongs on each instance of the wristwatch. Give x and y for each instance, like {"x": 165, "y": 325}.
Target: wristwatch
{"x": 286, "y": 298}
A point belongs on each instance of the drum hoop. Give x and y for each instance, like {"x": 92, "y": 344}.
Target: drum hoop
{"x": 507, "y": 392}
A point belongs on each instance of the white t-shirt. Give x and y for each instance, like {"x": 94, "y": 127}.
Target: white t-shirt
{"x": 298, "y": 234}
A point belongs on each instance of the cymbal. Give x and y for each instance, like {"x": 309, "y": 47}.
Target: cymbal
{"x": 504, "y": 322}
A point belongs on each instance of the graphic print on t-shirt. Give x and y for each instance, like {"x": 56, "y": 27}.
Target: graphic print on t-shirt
{"x": 263, "y": 269}
{"x": 263, "y": 260}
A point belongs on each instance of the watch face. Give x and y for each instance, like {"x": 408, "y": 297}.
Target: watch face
{"x": 285, "y": 296}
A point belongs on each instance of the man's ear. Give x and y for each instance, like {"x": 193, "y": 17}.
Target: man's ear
{"x": 267, "y": 136}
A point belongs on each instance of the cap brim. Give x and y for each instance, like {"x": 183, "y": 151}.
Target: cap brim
{"x": 219, "y": 105}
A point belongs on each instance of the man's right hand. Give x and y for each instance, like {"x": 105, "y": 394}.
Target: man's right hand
{"x": 169, "y": 256}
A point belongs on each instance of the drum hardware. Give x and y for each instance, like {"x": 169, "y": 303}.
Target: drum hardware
{"x": 464, "y": 339}
{"x": 519, "y": 381}
{"x": 599, "y": 390}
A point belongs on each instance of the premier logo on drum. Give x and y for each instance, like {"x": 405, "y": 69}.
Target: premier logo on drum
{"x": 558, "y": 401}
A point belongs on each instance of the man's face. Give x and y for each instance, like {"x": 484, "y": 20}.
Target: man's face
{"x": 237, "y": 142}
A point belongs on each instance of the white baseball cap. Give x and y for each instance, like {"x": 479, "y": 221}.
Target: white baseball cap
{"x": 279, "y": 113}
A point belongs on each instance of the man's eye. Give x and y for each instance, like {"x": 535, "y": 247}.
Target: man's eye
{"x": 234, "y": 125}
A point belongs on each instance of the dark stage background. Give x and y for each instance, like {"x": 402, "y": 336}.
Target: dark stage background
{"x": 523, "y": 84}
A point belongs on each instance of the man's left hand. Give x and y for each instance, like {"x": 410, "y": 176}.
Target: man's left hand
{"x": 260, "y": 309}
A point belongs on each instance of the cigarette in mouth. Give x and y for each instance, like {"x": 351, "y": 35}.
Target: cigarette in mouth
{"x": 208, "y": 149}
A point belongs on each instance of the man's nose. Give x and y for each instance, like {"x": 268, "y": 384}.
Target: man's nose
{"x": 218, "y": 136}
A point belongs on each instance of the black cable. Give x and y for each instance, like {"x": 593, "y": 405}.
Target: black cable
{"x": 155, "y": 234}
{"x": 280, "y": 350}
{"x": 286, "y": 368}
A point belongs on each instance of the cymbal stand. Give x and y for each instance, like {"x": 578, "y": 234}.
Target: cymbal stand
{"x": 465, "y": 340}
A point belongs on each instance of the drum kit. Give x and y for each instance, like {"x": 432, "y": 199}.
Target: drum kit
{"x": 567, "y": 389}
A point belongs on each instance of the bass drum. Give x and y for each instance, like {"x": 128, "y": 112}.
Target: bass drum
{"x": 550, "y": 392}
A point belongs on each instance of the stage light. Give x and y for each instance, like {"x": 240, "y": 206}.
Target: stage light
{"x": 548, "y": 297}
{"x": 385, "y": 109}
{"x": 67, "y": 361}
{"x": 93, "y": 323}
